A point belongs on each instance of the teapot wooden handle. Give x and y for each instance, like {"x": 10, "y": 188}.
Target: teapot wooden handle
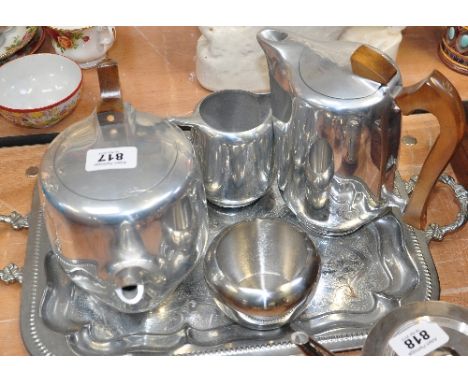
{"x": 438, "y": 96}
{"x": 109, "y": 85}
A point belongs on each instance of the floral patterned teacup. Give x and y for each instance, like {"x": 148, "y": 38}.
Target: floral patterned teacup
{"x": 87, "y": 46}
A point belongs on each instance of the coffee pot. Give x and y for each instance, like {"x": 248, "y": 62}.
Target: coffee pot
{"x": 336, "y": 110}
{"x": 124, "y": 202}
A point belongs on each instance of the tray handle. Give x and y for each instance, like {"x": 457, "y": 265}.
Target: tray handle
{"x": 435, "y": 231}
{"x": 13, "y": 273}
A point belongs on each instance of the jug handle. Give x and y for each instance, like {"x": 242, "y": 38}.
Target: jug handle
{"x": 437, "y": 95}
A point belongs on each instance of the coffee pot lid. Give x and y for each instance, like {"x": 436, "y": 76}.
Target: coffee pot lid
{"x": 327, "y": 69}
{"x": 116, "y": 162}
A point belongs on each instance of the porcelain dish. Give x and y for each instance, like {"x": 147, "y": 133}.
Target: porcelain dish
{"x": 87, "y": 46}
{"x": 13, "y": 39}
{"x": 30, "y": 48}
{"x": 39, "y": 90}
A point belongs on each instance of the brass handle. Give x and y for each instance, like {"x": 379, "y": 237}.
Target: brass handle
{"x": 438, "y": 96}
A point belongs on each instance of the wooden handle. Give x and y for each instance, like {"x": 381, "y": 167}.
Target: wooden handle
{"x": 371, "y": 64}
{"x": 438, "y": 96}
{"x": 109, "y": 85}
{"x": 110, "y": 111}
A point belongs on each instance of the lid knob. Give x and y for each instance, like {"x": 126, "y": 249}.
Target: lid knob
{"x": 371, "y": 64}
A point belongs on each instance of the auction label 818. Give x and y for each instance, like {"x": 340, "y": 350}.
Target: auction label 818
{"x": 419, "y": 339}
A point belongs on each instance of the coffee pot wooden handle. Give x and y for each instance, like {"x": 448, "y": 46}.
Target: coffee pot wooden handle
{"x": 438, "y": 96}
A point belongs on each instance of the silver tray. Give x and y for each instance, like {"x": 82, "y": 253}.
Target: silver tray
{"x": 365, "y": 275}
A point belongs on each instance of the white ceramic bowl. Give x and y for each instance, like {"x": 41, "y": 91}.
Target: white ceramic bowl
{"x": 39, "y": 90}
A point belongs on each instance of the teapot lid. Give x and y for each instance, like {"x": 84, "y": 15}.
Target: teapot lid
{"x": 117, "y": 162}
{"x": 117, "y": 167}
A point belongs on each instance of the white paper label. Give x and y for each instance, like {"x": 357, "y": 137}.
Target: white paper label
{"x": 419, "y": 339}
{"x": 112, "y": 158}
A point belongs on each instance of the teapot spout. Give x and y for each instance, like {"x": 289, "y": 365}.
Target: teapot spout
{"x": 131, "y": 265}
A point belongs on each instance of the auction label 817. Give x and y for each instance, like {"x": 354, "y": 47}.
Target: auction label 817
{"x": 112, "y": 158}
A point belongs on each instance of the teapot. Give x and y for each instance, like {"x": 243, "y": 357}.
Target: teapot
{"x": 124, "y": 202}
{"x": 336, "y": 109}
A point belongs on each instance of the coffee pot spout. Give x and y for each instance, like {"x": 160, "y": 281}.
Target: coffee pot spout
{"x": 281, "y": 53}
{"x": 272, "y": 42}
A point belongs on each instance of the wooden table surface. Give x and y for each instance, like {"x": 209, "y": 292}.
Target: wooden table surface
{"x": 156, "y": 67}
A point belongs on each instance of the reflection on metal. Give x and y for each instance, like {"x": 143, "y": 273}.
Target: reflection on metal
{"x": 319, "y": 173}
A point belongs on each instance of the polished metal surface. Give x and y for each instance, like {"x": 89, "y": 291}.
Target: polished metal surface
{"x": 453, "y": 319}
{"x": 262, "y": 272}
{"x": 363, "y": 276}
{"x": 317, "y": 100}
{"x": 319, "y": 174}
{"x": 233, "y": 138}
{"x": 127, "y": 235}
{"x": 139, "y": 231}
